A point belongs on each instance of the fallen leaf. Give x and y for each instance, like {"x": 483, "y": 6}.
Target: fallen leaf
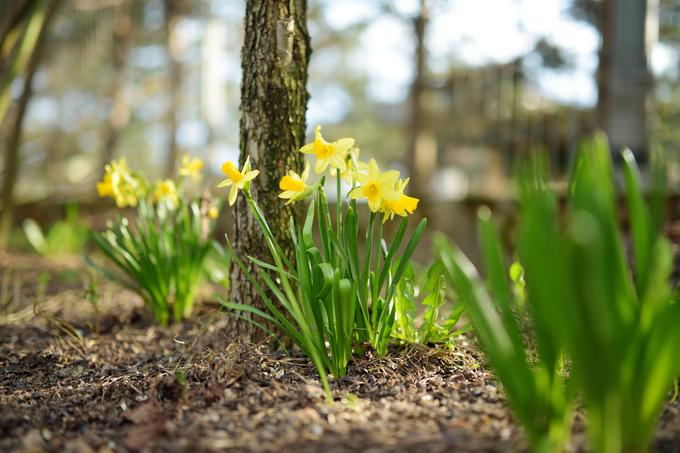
{"x": 149, "y": 426}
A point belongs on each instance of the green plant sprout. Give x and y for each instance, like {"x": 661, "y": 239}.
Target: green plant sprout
{"x": 616, "y": 325}
{"x": 535, "y": 389}
{"x": 65, "y": 237}
{"x": 433, "y": 293}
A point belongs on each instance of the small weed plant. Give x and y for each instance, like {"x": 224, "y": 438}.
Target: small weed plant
{"x": 432, "y": 294}
{"x": 159, "y": 254}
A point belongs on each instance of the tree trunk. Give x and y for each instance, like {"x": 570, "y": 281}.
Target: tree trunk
{"x": 14, "y": 127}
{"x": 623, "y": 76}
{"x": 175, "y": 81}
{"x": 274, "y": 98}
{"x": 418, "y": 156}
{"x": 120, "y": 111}
{"x": 20, "y": 28}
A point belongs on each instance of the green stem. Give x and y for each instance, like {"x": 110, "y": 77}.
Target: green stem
{"x": 338, "y": 201}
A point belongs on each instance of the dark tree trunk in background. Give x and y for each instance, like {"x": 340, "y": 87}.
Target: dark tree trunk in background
{"x": 12, "y": 13}
{"x": 14, "y": 128}
{"x": 623, "y": 77}
{"x": 120, "y": 111}
{"x": 274, "y": 98}
{"x": 419, "y": 156}
{"x": 172, "y": 15}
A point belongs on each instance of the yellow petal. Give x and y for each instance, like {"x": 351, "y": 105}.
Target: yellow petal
{"x": 338, "y": 161}
{"x": 362, "y": 178}
{"x": 374, "y": 203}
{"x": 373, "y": 169}
{"x": 409, "y": 203}
{"x": 229, "y": 169}
{"x": 307, "y": 149}
{"x": 344, "y": 144}
{"x": 355, "y": 193}
{"x": 321, "y": 165}
{"x": 250, "y": 175}
{"x": 232, "y": 195}
{"x": 288, "y": 183}
{"x": 246, "y": 165}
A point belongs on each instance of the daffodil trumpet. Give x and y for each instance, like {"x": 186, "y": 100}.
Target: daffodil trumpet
{"x": 237, "y": 179}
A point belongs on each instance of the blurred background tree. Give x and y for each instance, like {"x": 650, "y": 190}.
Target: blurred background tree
{"x": 450, "y": 92}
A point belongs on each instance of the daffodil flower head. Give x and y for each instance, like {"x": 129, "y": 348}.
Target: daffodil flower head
{"x": 191, "y": 167}
{"x": 120, "y": 184}
{"x": 294, "y": 187}
{"x": 165, "y": 191}
{"x": 327, "y": 153}
{"x": 402, "y": 206}
{"x": 237, "y": 179}
{"x": 376, "y": 186}
{"x": 105, "y": 187}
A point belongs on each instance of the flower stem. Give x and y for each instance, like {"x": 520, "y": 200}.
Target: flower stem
{"x": 338, "y": 201}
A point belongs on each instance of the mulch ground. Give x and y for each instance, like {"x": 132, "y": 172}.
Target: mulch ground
{"x": 71, "y": 380}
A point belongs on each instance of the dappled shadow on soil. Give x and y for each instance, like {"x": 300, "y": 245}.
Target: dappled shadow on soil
{"x": 127, "y": 386}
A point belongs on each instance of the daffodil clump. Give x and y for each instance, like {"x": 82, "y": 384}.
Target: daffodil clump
{"x": 160, "y": 252}
{"x": 335, "y": 297}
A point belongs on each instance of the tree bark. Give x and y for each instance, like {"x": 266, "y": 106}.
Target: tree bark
{"x": 418, "y": 158}
{"x": 120, "y": 111}
{"x": 623, "y": 76}
{"x": 12, "y": 15}
{"x": 172, "y": 15}
{"x": 274, "y": 96}
{"x": 14, "y": 128}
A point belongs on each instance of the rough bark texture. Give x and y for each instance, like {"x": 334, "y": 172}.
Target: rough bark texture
{"x": 274, "y": 98}
{"x": 14, "y": 127}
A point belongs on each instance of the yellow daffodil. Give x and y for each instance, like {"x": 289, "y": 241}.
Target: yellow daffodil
{"x": 120, "y": 184}
{"x": 105, "y": 187}
{"x": 376, "y": 186}
{"x": 352, "y": 165}
{"x": 213, "y": 212}
{"x": 236, "y": 178}
{"x": 294, "y": 187}
{"x": 191, "y": 167}
{"x": 401, "y": 206}
{"x": 332, "y": 153}
{"x": 166, "y": 192}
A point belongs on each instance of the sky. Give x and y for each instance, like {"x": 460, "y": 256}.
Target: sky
{"x": 475, "y": 33}
{"x": 465, "y": 32}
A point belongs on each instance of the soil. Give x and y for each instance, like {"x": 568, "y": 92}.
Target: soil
{"x": 77, "y": 379}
